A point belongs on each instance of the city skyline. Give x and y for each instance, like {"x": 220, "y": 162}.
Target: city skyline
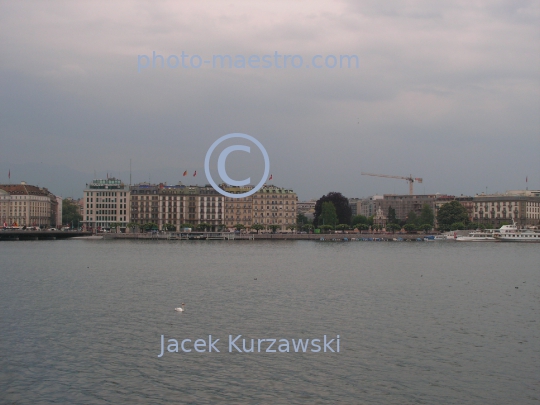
{"x": 445, "y": 91}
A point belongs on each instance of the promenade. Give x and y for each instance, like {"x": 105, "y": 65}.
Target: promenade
{"x": 263, "y": 236}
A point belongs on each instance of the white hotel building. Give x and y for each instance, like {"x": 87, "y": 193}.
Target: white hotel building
{"x": 105, "y": 202}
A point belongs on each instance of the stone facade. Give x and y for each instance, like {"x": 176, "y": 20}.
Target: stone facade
{"x": 26, "y": 205}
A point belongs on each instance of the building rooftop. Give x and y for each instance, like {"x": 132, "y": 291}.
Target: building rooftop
{"x": 24, "y": 189}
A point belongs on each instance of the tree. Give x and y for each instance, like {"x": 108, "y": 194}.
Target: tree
{"x": 187, "y": 225}
{"x": 393, "y": 227}
{"x": 426, "y": 215}
{"x": 132, "y": 225}
{"x": 291, "y": 227}
{"x": 326, "y": 228}
{"x": 149, "y": 226}
{"x": 457, "y": 226}
{"x": 203, "y": 226}
{"x": 451, "y": 213}
{"x": 115, "y": 225}
{"x": 308, "y": 227}
{"x": 359, "y": 219}
{"x": 70, "y": 212}
{"x": 169, "y": 227}
{"x": 412, "y": 218}
{"x": 392, "y": 219}
{"x": 426, "y": 227}
{"x": 239, "y": 227}
{"x": 341, "y": 205}
{"x": 328, "y": 214}
{"x": 362, "y": 227}
{"x": 274, "y": 227}
{"x": 302, "y": 219}
{"x": 342, "y": 227}
{"x": 257, "y": 227}
{"x": 409, "y": 227}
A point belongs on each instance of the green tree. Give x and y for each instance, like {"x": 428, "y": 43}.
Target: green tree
{"x": 425, "y": 227}
{"x": 239, "y": 227}
{"x": 426, "y": 215}
{"x": 115, "y": 226}
{"x": 370, "y": 220}
{"x": 187, "y": 225}
{"x": 359, "y": 219}
{"x": 393, "y": 227}
{"x": 328, "y": 214}
{"x": 302, "y": 219}
{"x": 203, "y": 226}
{"x": 412, "y": 218}
{"x": 326, "y": 228}
{"x": 274, "y": 227}
{"x": 409, "y": 227}
{"x": 308, "y": 227}
{"x": 132, "y": 226}
{"x": 70, "y": 213}
{"x": 362, "y": 227}
{"x": 292, "y": 227}
{"x": 392, "y": 219}
{"x": 341, "y": 206}
{"x": 342, "y": 227}
{"x": 257, "y": 227}
{"x": 149, "y": 226}
{"x": 457, "y": 226}
{"x": 169, "y": 227}
{"x": 451, "y": 213}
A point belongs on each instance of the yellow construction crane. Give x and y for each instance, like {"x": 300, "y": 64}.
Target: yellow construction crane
{"x": 410, "y": 179}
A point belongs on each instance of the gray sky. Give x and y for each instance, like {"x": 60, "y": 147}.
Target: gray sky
{"x": 445, "y": 90}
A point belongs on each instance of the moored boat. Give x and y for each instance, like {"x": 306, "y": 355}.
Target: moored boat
{"x": 511, "y": 233}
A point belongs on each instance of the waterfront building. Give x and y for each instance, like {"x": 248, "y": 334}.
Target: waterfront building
{"x": 403, "y": 204}
{"x": 498, "y": 209}
{"x": 270, "y": 205}
{"x": 275, "y": 206}
{"x": 176, "y": 205}
{"x": 26, "y": 205}
{"x": 106, "y": 202}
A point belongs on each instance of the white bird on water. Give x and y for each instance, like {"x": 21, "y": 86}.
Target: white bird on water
{"x": 182, "y": 309}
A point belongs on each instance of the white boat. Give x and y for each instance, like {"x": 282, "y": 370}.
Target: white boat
{"x": 442, "y": 237}
{"x": 487, "y": 235}
{"x": 511, "y": 233}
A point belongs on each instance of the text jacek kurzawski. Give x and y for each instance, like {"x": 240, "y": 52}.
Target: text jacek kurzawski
{"x": 239, "y": 344}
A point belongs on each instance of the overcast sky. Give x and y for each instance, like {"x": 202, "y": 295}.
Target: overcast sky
{"x": 445, "y": 90}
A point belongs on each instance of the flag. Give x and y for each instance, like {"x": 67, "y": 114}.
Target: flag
{"x": 526, "y": 179}
{"x": 194, "y": 174}
{"x": 185, "y": 173}
{"x": 9, "y": 174}
{"x": 270, "y": 177}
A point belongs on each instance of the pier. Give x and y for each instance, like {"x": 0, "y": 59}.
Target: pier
{"x": 11, "y": 235}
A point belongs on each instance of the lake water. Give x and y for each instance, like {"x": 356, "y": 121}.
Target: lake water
{"x": 419, "y": 322}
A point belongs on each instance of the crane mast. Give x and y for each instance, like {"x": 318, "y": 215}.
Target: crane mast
{"x": 410, "y": 179}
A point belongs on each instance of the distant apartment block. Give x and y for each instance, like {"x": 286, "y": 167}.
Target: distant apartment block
{"x": 521, "y": 206}
{"x": 106, "y": 201}
{"x": 26, "y": 205}
{"x": 403, "y": 204}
